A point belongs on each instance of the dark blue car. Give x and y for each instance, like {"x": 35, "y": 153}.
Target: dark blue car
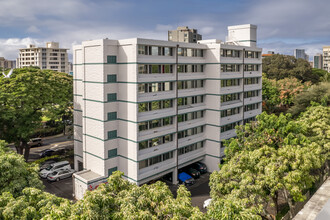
{"x": 186, "y": 179}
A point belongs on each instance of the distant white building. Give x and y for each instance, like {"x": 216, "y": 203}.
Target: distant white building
{"x": 150, "y": 107}
{"x": 50, "y": 57}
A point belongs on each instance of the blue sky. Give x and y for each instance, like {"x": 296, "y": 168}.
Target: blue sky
{"x": 283, "y": 25}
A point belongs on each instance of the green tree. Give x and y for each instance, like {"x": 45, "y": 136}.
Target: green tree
{"x": 34, "y": 204}
{"x": 269, "y": 158}
{"x": 24, "y": 97}
{"x": 282, "y": 66}
{"x": 316, "y": 94}
{"x": 270, "y": 95}
{"x": 120, "y": 199}
{"x": 16, "y": 174}
{"x": 323, "y": 74}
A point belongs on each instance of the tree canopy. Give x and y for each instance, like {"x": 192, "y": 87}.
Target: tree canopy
{"x": 282, "y": 66}
{"x": 271, "y": 157}
{"x": 23, "y": 98}
{"x": 16, "y": 174}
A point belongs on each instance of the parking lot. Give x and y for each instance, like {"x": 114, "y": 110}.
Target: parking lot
{"x": 62, "y": 188}
{"x": 200, "y": 191}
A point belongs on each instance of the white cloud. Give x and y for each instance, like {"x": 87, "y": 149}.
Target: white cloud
{"x": 33, "y": 29}
{"x": 9, "y": 47}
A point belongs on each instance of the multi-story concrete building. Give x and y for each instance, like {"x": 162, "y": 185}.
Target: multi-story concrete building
{"x": 7, "y": 64}
{"x": 150, "y": 107}
{"x": 184, "y": 34}
{"x": 50, "y": 57}
{"x": 318, "y": 61}
{"x": 326, "y": 58}
{"x": 300, "y": 53}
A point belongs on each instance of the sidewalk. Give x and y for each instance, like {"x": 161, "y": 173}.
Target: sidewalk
{"x": 313, "y": 207}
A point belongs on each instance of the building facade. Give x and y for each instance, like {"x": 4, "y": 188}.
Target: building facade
{"x": 300, "y": 53}
{"x": 7, "y": 64}
{"x": 318, "y": 61}
{"x": 150, "y": 107}
{"x": 184, "y": 34}
{"x": 326, "y": 58}
{"x": 51, "y": 57}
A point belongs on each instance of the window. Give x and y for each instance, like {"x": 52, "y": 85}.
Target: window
{"x": 190, "y": 116}
{"x": 112, "y": 97}
{"x": 189, "y": 132}
{"x": 110, "y": 171}
{"x": 154, "y": 160}
{"x": 112, "y": 153}
{"x": 250, "y": 94}
{"x": 112, "y": 134}
{"x": 190, "y": 100}
{"x": 251, "y": 107}
{"x": 155, "y": 141}
{"x": 112, "y": 116}
{"x": 229, "y": 97}
{"x": 229, "y": 127}
{"x": 111, "y": 78}
{"x": 190, "y": 84}
{"x": 155, "y": 87}
{"x": 230, "y": 67}
{"x": 156, "y": 105}
{"x": 251, "y": 67}
{"x": 147, "y": 125}
{"x": 229, "y": 112}
{"x": 190, "y": 148}
{"x": 249, "y": 81}
{"x": 112, "y": 59}
{"x": 229, "y": 53}
{"x": 230, "y": 82}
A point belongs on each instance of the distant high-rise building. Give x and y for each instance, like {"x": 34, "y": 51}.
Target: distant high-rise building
{"x": 318, "y": 61}
{"x": 184, "y": 34}
{"x": 50, "y": 57}
{"x": 7, "y": 64}
{"x": 326, "y": 58}
{"x": 300, "y": 53}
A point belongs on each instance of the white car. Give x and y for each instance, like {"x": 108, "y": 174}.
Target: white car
{"x": 65, "y": 165}
{"x": 207, "y": 203}
{"x": 60, "y": 174}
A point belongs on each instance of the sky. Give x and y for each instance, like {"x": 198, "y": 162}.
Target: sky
{"x": 283, "y": 25}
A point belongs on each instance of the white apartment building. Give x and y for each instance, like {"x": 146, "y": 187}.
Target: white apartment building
{"x": 150, "y": 107}
{"x": 326, "y": 58}
{"x": 51, "y": 57}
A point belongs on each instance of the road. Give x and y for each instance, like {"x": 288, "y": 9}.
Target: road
{"x": 53, "y": 142}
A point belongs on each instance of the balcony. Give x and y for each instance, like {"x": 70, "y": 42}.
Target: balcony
{"x": 231, "y": 119}
{"x": 191, "y": 92}
{"x": 191, "y": 156}
{"x": 156, "y": 77}
{"x": 252, "y": 73}
{"x": 191, "y": 124}
{"x": 156, "y": 168}
{"x": 228, "y": 134}
{"x": 191, "y": 76}
{"x": 252, "y": 100}
{"x": 156, "y": 150}
{"x": 156, "y": 132}
{"x": 190, "y": 139}
{"x": 231, "y": 75}
{"x": 230, "y": 104}
{"x": 252, "y": 113}
{"x": 252, "y": 87}
{"x": 162, "y": 113}
{"x": 191, "y": 108}
{"x": 231, "y": 89}
{"x": 153, "y": 96}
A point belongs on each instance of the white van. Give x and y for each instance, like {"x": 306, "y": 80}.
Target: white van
{"x": 63, "y": 165}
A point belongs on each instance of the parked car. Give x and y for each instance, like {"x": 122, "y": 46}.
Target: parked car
{"x": 193, "y": 172}
{"x": 201, "y": 167}
{"x": 47, "y": 153}
{"x": 60, "y": 174}
{"x": 35, "y": 142}
{"x": 206, "y": 203}
{"x": 46, "y": 164}
{"x": 63, "y": 165}
{"x": 186, "y": 179}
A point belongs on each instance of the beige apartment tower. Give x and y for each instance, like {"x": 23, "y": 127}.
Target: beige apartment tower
{"x": 326, "y": 58}
{"x": 51, "y": 57}
{"x": 184, "y": 34}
